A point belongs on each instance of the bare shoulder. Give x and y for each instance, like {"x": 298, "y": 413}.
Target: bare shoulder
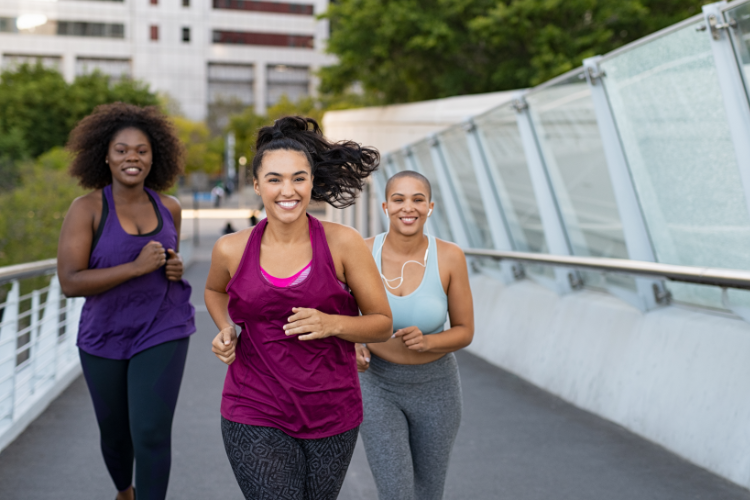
{"x": 90, "y": 203}
{"x": 232, "y": 244}
{"x": 450, "y": 252}
{"x": 171, "y": 202}
{"x": 339, "y": 234}
{"x": 370, "y": 242}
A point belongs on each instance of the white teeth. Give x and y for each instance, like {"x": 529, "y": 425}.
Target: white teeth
{"x": 408, "y": 219}
{"x": 288, "y": 204}
{"x": 132, "y": 170}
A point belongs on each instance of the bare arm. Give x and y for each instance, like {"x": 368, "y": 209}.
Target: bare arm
{"x": 460, "y": 309}
{"x": 224, "y": 260}
{"x": 74, "y": 249}
{"x": 175, "y": 266}
{"x": 361, "y": 275}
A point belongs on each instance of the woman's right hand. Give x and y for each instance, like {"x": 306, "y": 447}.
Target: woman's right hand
{"x": 363, "y": 357}
{"x": 151, "y": 258}
{"x": 224, "y": 345}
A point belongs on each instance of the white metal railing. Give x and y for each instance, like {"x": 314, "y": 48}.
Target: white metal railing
{"x": 38, "y": 355}
{"x": 712, "y": 276}
{"x": 38, "y": 333}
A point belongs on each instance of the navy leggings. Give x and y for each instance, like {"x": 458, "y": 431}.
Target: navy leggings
{"x": 134, "y": 401}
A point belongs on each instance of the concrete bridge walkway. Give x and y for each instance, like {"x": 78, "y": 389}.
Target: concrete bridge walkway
{"x": 516, "y": 442}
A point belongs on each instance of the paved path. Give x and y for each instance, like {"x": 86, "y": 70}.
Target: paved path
{"x": 516, "y": 442}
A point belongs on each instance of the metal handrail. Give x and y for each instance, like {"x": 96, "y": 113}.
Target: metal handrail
{"x": 725, "y": 278}
{"x": 28, "y": 270}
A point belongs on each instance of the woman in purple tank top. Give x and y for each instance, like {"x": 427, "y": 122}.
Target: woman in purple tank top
{"x": 295, "y": 286}
{"x": 119, "y": 248}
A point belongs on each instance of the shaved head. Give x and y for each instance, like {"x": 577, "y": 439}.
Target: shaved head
{"x": 413, "y": 175}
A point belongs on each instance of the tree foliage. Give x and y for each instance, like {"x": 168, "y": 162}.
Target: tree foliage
{"x": 410, "y": 50}
{"x": 203, "y": 153}
{"x": 38, "y": 108}
{"x": 32, "y": 213}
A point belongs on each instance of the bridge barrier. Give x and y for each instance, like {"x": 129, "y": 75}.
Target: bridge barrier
{"x": 639, "y": 157}
{"x": 38, "y": 332}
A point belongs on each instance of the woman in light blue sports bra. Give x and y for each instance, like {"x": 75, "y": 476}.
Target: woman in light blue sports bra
{"x": 411, "y": 389}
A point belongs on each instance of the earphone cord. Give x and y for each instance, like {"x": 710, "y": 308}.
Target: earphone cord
{"x": 387, "y": 281}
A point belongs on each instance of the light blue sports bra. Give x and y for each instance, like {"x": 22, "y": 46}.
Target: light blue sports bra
{"x": 427, "y": 306}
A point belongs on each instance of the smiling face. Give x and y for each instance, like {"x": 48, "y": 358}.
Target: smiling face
{"x": 408, "y": 204}
{"x": 129, "y": 157}
{"x": 284, "y": 182}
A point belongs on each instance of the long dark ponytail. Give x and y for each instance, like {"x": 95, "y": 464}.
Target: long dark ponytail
{"x": 339, "y": 168}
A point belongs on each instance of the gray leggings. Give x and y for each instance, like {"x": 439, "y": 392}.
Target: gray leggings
{"x": 412, "y": 414}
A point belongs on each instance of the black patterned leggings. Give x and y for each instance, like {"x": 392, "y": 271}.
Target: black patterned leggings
{"x": 271, "y": 465}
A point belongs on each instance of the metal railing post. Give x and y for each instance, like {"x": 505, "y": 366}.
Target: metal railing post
{"x": 8, "y": 333}
{"x": 637, "y": 240}
{"x": 48, "y": 334}
{"x": 452, "y": 208}
{"x": 496, "y": 219}
{"x": 33, "y": 338}
{"x": 732, "y": 87}
{"x": 378, "y": 192}
{"x": 554, "y": 229}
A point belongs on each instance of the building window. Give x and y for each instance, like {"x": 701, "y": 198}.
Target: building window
{"x": 11, "y": 61}
{"x": 154, "y": 32}
{"x": 290, "y": 81}
{"x": 115, "y": 69}
{"x": 186, "y": 35}
{"x": 8, "y": 25}
{"x": 186, "y": 3}
{"x": 231, "y": 87}
{"x": 268, "y": 39}
{"x": 231, "y": 82}
{"x": 104, "y": 30}
{"x": 275, "y": 7}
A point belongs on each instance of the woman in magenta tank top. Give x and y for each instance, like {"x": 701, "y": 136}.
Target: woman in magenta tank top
{"x": 295, "y": 287}
{"x": 119, "y": 248}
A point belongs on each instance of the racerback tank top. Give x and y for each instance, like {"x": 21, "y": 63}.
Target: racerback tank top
{"x": 427, "y": 306}
{"x": 308, "y": 389}
{"x": 141, "y": 312}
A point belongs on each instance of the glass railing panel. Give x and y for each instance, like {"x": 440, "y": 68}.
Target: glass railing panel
{"x": 498, "y": 131}
{"x": 739, "y": 18}
{"x": 439, "y": 218}
{"x": 501, "y": 142}
{"x": 668, "y": 107}
{"x": 568, "y": 134}
{"x": 457, "y": 157}
{"x": 399, "y": 161}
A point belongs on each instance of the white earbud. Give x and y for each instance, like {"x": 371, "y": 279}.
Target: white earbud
{"x": 386, "y": 211}
{"x": 428, "y": 213}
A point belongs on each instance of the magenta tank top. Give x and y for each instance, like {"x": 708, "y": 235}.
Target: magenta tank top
{"x": 308, "y": 389}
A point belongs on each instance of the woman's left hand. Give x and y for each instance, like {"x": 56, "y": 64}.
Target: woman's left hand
{"x": 174, "y": 266}
{"x": 412, "y": 338}
{"x": 313, "y": 323}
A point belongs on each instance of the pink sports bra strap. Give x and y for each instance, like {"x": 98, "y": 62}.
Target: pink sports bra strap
{"x": 291, "y": 280}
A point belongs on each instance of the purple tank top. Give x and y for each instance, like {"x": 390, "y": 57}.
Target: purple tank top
{"x": 308, "y": 389}
{"x": 144, "y": 311}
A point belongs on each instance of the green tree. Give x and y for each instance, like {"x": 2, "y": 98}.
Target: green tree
{"x": 409, "y": 50}
{"x": 39, "y": 109}
{"x": 31, "y": 214}
{"x": 203, "y": 153}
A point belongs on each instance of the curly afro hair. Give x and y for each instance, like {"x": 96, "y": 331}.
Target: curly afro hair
{"x": 89, "y": 143}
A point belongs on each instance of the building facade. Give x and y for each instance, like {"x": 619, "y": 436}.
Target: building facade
{"x": 210, "y": 56}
